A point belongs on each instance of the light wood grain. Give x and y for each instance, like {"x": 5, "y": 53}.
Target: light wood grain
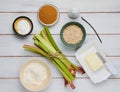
{"x": 104, "y": 15}
{"x": 83, "y": 85}
{"x": 10, "y": 66}
{"x": 104, "y": 23}
{"x": 63, "y": 5}
{"x": 12, "y": 45}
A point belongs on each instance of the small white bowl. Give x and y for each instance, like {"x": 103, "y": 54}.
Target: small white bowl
{"x": 29, "y": 73}
{"x": 49, "y": 24}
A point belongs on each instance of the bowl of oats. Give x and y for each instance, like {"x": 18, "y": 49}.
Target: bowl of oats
{"x": 73, "y": 34}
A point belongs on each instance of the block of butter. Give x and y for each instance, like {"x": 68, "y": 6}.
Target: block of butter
{"x": 93, "y": 61}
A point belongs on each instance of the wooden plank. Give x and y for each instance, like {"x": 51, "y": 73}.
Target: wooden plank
{"x": 83, "y": 5}
{"x": 103, "y": 15}
{"x": 104, "y": 23}
{"x": 12, "y": 45}
{"x": 10, "y": 66}
{"x": 83, "y": 85}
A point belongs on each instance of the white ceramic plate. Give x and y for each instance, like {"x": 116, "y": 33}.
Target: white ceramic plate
{"x": 99, "y": 75}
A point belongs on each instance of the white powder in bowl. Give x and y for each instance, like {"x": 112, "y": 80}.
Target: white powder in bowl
{"x": 23, "y": 27}
{"x": 34, "y": 73}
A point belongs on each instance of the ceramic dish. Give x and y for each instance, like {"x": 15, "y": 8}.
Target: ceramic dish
{"x": 99, "y": 75}
{"x": 23, "y": 26}
{"x": 35, "y": 75}
{"x": 46, "y": 15}
{"x": 80, "y": 36}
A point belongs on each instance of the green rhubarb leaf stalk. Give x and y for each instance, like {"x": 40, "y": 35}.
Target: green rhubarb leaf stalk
{"x": 62, "y": 67}
{"x": 35, "y": 50}
{"x": 65, "y": 69}
{"x": 44, "y": 35}
{"x": 48, "y": 47}
{"x": 51, "y": 38}
{"x": 66, "y": 61}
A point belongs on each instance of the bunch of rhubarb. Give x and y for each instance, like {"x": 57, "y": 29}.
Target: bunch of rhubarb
{"x": 46, "y": 46}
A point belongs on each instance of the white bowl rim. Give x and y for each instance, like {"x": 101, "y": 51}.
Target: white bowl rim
{"x": 28, "y": 62}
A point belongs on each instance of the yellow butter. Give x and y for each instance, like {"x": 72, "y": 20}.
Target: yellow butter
{"x": 93, "y": 61}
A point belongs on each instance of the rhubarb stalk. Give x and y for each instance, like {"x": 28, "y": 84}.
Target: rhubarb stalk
{"x": 47, "y": 47}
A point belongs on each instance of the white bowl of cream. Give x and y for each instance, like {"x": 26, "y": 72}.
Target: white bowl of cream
{"x": 35, "y": 75}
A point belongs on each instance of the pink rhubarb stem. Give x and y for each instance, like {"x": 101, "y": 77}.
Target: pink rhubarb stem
{"x": 81, "y": 70}
{"x": 72, "y": 85}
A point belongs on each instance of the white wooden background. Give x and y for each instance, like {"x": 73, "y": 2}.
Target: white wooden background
{"x": 104, "y": 15}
